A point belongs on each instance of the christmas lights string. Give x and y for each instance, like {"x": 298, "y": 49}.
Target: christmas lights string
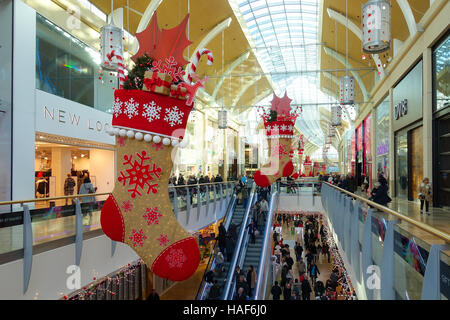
{"x": 127, "y": 274}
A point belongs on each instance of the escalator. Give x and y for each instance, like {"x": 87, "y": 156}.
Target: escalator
{"x": 235, "y": 214}
{"x": 252, "y": 254}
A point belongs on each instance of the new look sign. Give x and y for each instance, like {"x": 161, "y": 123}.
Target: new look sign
{"x": 66, "y": 118}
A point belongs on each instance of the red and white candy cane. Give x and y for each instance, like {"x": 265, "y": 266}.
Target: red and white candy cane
{"x": 194, "y": 63}
{"x": 120, "y": 69}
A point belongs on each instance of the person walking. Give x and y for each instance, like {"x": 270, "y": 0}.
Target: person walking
{"x": 276, "y": 291}
{"x": 251, "y": 230}
{"x": 69, "y": 185}
{"x": 425, "y": 195}
{"x": 87, "y": 188}
{"x": 301, "y": 267}
{"x": 244, "y": 193}
{"x": 314, "y": 272}
{"x": 222, "y": 237}
{"x": 261, "y": 221}
{"x": 229, "y": 246}
{"x": 220, "y": 260}
{"x": 251, "y": 279}
{"x": 306, "y": 289}
{"x": 287, "y": 292}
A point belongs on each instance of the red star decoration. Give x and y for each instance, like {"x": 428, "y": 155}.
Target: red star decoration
{"x": 281, "y": 105}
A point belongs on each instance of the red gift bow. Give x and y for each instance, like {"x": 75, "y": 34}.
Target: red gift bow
{"x": 155, "y": 81}
{"x": 178, "y": 93}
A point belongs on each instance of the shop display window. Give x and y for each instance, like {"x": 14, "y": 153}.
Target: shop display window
{"x": 382, "y": 138}
{"x": 441, "y": 74}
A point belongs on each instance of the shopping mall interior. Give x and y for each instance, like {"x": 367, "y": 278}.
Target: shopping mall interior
{"x": 225, "y": 150}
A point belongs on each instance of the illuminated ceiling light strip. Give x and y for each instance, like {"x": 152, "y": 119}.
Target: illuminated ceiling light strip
{"x": 206, "y": 39}
{"x": 341, "y": 59}
{"x": 334, "y": 15}
{"x": 226, "y": 73}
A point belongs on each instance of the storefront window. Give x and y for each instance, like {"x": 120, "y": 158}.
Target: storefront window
{"x": 382, "y": 138}
{"x": 5, "y": 100}
{"x": 401, "y": 164}
{"x": 68, "y": 68}
{"x": 54, "y": 162}
{"x": 441, "y": 59}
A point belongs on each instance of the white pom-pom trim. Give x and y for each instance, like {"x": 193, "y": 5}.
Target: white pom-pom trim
{"x": 175, "y": 143}
{"x": 116, "y": 131}
{"x": 122, "y": 132}
{"x": 139, "y": 136}
{"x": 156, "y": 139}
{"x": 166, "y": 141}
{"x": 130, "y": 134}
{"x": 148, "y": 138}
{"x": 183, "y": 144}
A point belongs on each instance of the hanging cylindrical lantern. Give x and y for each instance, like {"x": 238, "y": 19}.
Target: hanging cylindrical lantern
{"x": 347, "y": 87}
{"x": 111, "y": 43}
{"x": 336, "y": 116}
{"x": 376, "y": 25}
{"x": 222, "y": 119}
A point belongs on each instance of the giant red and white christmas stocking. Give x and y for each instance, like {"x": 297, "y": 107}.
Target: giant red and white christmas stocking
{"x": 279, "y": 124}
{"x": 139, "y": 211}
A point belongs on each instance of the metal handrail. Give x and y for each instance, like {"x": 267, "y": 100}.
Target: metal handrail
{"x": 212, "y": 257}
{"x": 238, "y": 245}
{"x": 438, "y": 233}
{"x": 265, "y": 247}
{"x": 4, "y": 203}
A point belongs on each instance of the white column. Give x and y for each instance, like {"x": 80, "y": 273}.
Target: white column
{"x": 101, "y": 166}
{"x": 61, "y": 165}
{"x": 427, "y": 114}
{"x": 24, "y": 86}
{"x": 391, "y": 144}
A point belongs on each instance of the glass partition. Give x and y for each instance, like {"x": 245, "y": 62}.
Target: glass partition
{"x": 441, "y": 77}
{"x": 70, "y": 69}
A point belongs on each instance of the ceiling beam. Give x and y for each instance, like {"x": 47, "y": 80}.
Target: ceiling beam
{"x": 334, "y": 15}
{"x": 342, "y": 60}
{"x": 227, "y": 72}
{"x": 206, "y": 39}
{"x": 244, "y": 89}
{"x": 409, "y": 17}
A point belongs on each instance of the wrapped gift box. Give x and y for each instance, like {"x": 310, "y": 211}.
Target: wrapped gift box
{"x": 157, "y": 82}
{"x": 178, "y": 92}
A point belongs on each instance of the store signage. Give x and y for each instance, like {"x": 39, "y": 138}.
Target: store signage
{"x": 59, "y": 116}
{"x": 401, "y": 109}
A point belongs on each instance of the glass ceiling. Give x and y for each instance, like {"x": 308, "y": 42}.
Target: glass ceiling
{"x": 285, "y": 33}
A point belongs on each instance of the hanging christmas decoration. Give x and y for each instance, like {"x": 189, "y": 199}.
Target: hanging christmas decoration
{"x": 222, "y": 119}
{"x": 376, "y": 25}
{"x": 347, "y": 90}
{"x": 336, "y": 116}
{"x": 279, "y": 123}
{"x": 150, "y": 116}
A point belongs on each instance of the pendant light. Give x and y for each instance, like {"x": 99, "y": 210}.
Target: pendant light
{"x": 111, "y": 44}
{"x": 347, "y": 83}
{"x": 376, "y": 25}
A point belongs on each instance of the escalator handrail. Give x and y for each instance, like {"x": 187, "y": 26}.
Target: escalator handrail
{"x": 265, "y": 247}
{"x": 238, "y": 245}
{"x": 212, "y": 257}
{"x": 243, "y": 253}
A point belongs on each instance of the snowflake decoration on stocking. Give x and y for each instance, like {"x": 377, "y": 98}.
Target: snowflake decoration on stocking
{"x": 163, "y": 241}
{"x": 127, "y": 206}
{"x": 158, "y": 146}
{"x": 131, "y": 108}
{"x": 139, "y": 174}
{"x": 278, "y": 149}
{"x": 170, "y": 68}
{"x": 137, "y": 237}
{"x": 174, "y": 116}
{"x": 176, "y": 258}
{"x": 151, "y": 111}
{"x": 117, "y": 108}
{"x": 121, "y": 141}
{"x": 152, "y": 216}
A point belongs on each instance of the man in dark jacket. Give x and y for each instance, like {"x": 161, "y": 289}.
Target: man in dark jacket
{"x": 306, "y": 289}
{"x": 229, "y": 245}
{"x": 243, "y": 284}
{"x": 276, "y": 291}
{"x": 350, "y": 183}
{"x": 289, "y": 261}
{"x": 287, "y": 292}
{"x": 222, "y": 237}
{"x": 214, "y": 292}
